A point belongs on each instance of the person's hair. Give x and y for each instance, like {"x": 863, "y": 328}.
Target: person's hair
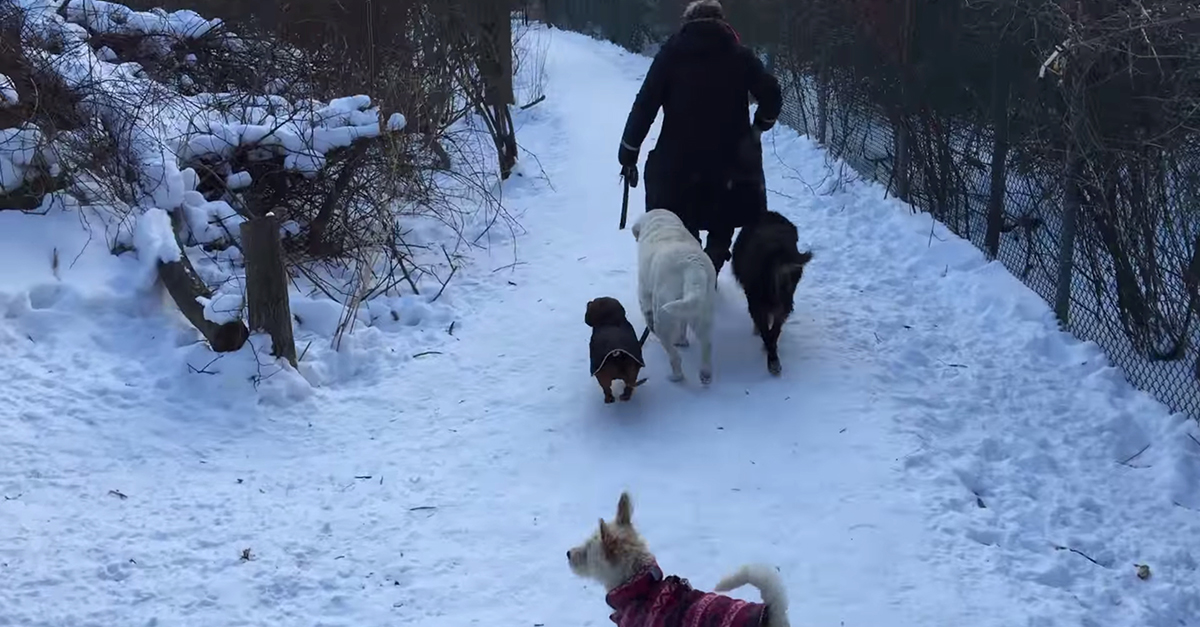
{"x": 703, "y": 10}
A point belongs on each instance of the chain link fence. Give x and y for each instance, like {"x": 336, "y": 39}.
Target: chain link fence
{"x": 1059, "y": 136}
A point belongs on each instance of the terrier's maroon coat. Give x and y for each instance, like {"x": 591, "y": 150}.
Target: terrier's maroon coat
{"x": 651, "y": 600}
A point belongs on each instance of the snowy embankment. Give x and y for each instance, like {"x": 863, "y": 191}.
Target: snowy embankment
{"x": 935, "y": 453}
{"x": 97, "y": 251}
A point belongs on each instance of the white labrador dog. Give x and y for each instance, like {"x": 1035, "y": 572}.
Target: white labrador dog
{"x": 676, "y": 284}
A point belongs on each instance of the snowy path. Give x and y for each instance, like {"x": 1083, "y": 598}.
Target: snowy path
{"x": 919, "y": 383}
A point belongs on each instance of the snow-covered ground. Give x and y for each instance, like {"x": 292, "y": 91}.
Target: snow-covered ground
{"x": 935, "y": 453}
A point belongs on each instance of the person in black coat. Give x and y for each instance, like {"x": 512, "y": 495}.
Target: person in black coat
{"x": 707, "y": 165}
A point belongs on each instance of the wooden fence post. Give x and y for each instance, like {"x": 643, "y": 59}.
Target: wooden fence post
{"x": 1072, "y": 197}
{"x": 267, "y": 285}
{"x": 823, "y": 87}
{"x": 902, "y": 135}
{"x": 999, "y": 167}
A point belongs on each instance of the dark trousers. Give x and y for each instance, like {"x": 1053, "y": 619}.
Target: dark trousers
{"x": 718, "y": 245}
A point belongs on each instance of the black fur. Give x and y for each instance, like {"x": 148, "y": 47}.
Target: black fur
{"x": 769, "y": 266}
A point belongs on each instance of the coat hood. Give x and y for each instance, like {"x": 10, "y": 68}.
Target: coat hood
{"x": 705, "y": 36}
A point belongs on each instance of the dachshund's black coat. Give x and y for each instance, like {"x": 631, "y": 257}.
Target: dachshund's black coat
{"x": 615, "y": 350}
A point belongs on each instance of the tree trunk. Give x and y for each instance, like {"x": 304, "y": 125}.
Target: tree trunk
{"x": 185, "y": 287}
{"x": 494, "y": 28}
{"x": 267, "y": 285}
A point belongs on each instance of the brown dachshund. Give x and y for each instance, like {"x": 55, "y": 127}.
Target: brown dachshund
{"x": 616, "y": 352}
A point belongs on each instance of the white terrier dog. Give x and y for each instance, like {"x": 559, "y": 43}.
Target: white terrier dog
{"x": 617, "y": 556}
{"x": 676, "y": 284}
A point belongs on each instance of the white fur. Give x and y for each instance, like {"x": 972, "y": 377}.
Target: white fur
{"x": 676, "y": 287}
{"x": 770, "y": 586}
{"x": 695, "y": 6}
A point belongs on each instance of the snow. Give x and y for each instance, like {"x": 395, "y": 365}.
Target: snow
{"x": 8, "y": 92}
{"x": 154, "y": 238}
{"x": 302, "y": 133}
{"x": 118, "y": 19}
{"x": 19, "y": 150}
{"x": 932, "y": 441}
{"x": 238, "y": 180}
{"x": 225, "y": 307}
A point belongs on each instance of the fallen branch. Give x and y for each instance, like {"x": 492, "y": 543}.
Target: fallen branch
{"x": 531, "y": 104}
{"x": 453, "y": 269}
{"x": 1079, "y": 553}
{"x": 185, "y": 288}
{"x": 1134, "y": 456}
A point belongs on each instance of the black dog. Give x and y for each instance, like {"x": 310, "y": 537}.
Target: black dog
{"x": 768, "y": 265}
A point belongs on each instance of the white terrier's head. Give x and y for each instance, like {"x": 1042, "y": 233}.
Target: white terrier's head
{"x": 615, "y": 552}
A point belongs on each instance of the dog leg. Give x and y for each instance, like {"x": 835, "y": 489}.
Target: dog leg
{"x": 772, "y": 342}
{"x": 681, "y": 340}
{"x": 666, "y": 332}
{"x": 674, "y": 357}
{"x": 704, "y": 335}
{"x": 606, "y": 385}
{"x": 630, "y": 383}
{"x": 761, "y": 321}
{"x": 676, "y": 362}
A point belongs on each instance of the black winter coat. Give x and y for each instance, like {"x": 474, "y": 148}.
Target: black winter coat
{"x": 702, "y": 79}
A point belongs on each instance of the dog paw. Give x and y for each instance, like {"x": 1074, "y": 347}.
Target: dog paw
{"x": 705, "y": 377}
{"x": 609, "y": 399}
{"x": 774, "y": 367}
{"x": 675, "y": 377}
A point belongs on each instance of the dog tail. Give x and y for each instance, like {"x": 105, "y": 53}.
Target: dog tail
{"x": 769, "y": 584}
{"x": 696, "y": 284}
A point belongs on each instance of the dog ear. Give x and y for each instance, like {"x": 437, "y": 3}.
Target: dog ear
{"x": 805, "y": 257}
{"x": 608, "y": 540}
{"x": 587, "y": 316}
{"x": 624, "y": 511}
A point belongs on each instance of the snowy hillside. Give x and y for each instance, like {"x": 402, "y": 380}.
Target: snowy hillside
{"x": 935, "y": 453}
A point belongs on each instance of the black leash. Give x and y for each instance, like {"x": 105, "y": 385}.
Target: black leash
{"x": 642, "y": 342}
{"x": 630, "y": 177}
{"x": 624, "y": 203}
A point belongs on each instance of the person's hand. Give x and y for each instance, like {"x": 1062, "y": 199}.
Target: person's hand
{"x": 630, "y": 174}
{"x": 761, "y": 125}
{"x": 628, "y": 157}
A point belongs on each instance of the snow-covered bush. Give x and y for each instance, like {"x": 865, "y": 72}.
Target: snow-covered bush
{"x": 140, "y": 115}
